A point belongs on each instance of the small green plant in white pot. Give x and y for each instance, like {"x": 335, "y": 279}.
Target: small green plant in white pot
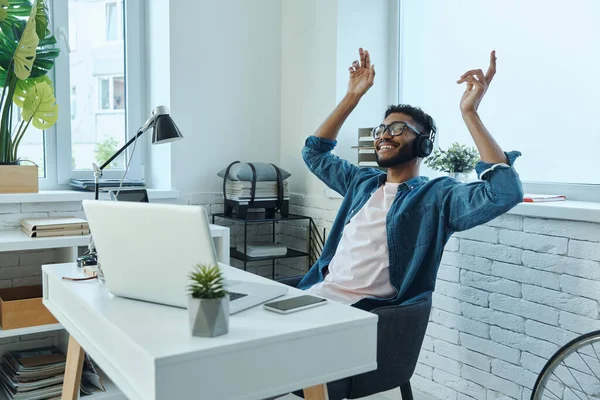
{"x": 208, "y": 302}
{"x": 458, "y": 161}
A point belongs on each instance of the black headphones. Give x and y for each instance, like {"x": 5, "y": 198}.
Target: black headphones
{"x": 423, "y": 145}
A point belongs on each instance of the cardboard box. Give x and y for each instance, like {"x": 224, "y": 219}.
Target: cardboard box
{"x": 22, "y": 306}
{"x": 18, "y": 179}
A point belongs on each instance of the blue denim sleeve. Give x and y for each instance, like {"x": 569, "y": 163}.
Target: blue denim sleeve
{"x": 329, "y": 168}
{"x": 499, "y": 189}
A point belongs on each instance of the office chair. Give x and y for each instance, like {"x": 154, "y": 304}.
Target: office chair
{"x": 400, "y": 333}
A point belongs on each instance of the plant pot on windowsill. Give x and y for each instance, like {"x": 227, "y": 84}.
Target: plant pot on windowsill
{"x": 208, "y": 303}
{"x": 16, "y": 178}
{"x": 460, "y": 176}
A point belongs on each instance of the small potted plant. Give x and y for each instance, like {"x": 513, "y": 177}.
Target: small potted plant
{"x": 208, "y": 302}
{"x": 458, "y": 161}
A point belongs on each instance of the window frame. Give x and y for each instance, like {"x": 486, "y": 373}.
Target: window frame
{"x": 58, "y": 139}
{"x": 573, "y": 191}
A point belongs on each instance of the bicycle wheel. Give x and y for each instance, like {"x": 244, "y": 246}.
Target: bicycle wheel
{"x": 573, "y": 372}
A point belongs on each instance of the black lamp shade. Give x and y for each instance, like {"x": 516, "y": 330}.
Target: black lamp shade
{"x": 165, "y": 130}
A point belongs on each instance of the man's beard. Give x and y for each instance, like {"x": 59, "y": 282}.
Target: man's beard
{"x": 404, "y": 155}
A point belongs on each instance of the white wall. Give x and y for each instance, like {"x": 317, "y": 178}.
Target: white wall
{"x": 320, "y": 40}
{"x": 224, "y": 94}
{"x": 251, "y": 80}
{"x": 308, "y": 80}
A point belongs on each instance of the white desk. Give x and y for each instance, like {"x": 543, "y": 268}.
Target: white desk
{"x": 220, "y": 235}
{"x": 147, "y": 351}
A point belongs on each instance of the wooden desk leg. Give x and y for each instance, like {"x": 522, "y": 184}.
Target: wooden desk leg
{"x": 318, "y": 392}
{"x": 73, "y": 370}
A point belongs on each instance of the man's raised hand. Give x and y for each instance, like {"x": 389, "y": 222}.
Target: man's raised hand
{"x": 477, "y": 85}
{"x": 362, "y": 74}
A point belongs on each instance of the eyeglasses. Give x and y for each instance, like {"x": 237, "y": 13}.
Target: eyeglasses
{"x": 396, "y": 128}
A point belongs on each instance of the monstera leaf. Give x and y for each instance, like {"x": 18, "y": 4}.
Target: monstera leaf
{"x": 14, "y": 8}
{"x": 23, "y": 87}
{"x": 40, "y": 106}
{"x": 26, "y": 49}
{"x": 41, "y": 19}
{"x": 3, "y": 10}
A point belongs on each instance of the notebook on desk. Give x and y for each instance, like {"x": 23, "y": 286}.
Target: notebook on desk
{"x": 156, "y": 248}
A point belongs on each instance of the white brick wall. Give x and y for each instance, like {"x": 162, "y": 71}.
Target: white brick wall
{"x": 525, "y": 287}
{"x": 535, "y": 288}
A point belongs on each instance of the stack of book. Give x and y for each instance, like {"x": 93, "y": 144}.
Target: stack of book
{"x": 60, "y": 226}
{"x": 265, "y": 190}
{"x": 262, "y": 249}
{"x": 33, "y": 374}
{"x": 38, "y": 374}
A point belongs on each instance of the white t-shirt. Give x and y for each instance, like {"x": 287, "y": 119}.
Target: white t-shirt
{"x": 360, "y": 266}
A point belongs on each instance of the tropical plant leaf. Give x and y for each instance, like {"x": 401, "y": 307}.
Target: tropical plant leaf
{"x": 41, "y": 19}
{"x": 23, "y": 87}
{"x": 8, "y": 46}
{"x": 26, "y": 49}
{"x": 3, "y": 9}
{"x": 14, "y": 10}
{"x": 44, "y": 61}
{"x": 3, "y": 75}
{"x": 47, "y": 41}
{"x": 40, "y": 106}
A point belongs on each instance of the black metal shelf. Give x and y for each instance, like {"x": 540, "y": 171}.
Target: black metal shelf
{"x": 261, "y": 217}
{"x": 234, "y": 253}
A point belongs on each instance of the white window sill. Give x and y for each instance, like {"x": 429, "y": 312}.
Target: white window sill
{"x": 54, "y": 196}
{"x": 570, "y": 210}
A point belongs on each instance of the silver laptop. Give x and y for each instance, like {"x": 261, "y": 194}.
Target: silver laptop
{"x": 147, "y": 251}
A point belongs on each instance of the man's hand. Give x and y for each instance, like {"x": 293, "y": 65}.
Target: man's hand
{"x": 362, "y": 74}
{"x": 477, "y": 85}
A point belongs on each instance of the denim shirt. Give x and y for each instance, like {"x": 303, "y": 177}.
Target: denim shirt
{"x": 421, "y": 219}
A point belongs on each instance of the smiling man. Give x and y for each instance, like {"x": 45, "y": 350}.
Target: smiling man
{"x": 388, "y": 237}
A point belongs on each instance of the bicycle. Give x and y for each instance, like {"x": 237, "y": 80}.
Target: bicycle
{"x": 572, "y": 372}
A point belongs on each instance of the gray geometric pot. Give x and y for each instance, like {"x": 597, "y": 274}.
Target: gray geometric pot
{"x": 208, "y": 317}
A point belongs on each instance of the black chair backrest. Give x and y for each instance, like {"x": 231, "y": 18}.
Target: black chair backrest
{"x": 400, "y": 334}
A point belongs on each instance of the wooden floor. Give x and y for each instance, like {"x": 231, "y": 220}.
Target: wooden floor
{"x": 391, "y": 395}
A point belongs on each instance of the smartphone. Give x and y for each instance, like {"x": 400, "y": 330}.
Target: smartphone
{"x": 294, "y": 304}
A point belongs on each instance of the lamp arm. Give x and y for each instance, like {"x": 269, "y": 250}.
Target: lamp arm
{"x": 98, "y": 170}
{"x": 126, "y": 145}
{"x": 157, "y": 112}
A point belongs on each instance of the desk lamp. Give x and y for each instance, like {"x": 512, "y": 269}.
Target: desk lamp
{"x": 165, "y": 131}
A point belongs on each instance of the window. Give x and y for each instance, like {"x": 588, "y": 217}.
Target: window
{"x": 32, "y": 145}
{"x": 94, "y": 91}
{"x": 541, "y": 102}
{"x": 111, "y": 22}
{"x": 111, "y": 93}
{"x": 73, "y": 102}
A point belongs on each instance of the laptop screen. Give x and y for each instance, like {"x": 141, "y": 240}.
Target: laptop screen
{"x": 136, "y": 195}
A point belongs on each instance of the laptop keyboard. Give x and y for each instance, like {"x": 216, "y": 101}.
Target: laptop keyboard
{"x": 235, "y": 296}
